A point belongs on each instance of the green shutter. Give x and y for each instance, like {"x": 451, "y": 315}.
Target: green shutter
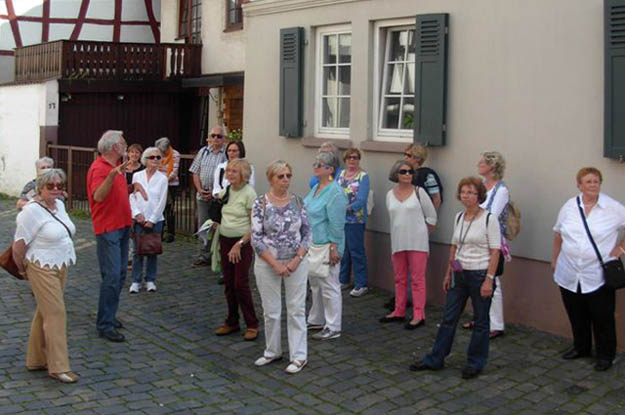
{"x": 614, "y": 144}
{"x": 291, "y": 94}
{"x": 431, "y": 43}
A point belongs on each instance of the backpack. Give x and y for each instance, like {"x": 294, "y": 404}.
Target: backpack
{"x": 510, "y": 218}
{"x": 420, "y": 177}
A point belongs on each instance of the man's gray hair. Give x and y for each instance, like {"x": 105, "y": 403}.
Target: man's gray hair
{"x": 148, "y": 152}
{"x": 49, "y": 176}
{"x": 163, "y": 144}
{"x": 44, "y": 160}
{"x": 223, "y": 128}
{"x": 109, "y": 139}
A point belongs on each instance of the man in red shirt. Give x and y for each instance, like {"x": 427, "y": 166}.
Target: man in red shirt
{"x": 111, "y": 216}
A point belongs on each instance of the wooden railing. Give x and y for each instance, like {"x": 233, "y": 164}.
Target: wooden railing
{"x": 107, "y": 61}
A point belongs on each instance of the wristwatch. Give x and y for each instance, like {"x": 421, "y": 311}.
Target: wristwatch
{"x": 490, "y": 277}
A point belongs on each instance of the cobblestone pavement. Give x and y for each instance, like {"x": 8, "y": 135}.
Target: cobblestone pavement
{"x": 172, "y": 362}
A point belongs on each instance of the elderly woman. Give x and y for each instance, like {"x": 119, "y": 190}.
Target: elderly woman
{"x": 355, "y": 182}
{"x": 236, "y": 252}
{"x": 43, "y": 250}
{"x": 326, "y": 205}
{"x": 170, "y": 165}
{"x": 234, "y": 150}
{"x": 491, "y": 167}
{"x": 473, "y": 258}
{"x": 30, "y": 188}
{"x": 281, "y": 237}
{"x": 416, "y": 155}
{"x": 147, "y": 215}
{"x": 413, "y": 217}
{"x": 589, "y": 303}
{"x": 328, "y": 147}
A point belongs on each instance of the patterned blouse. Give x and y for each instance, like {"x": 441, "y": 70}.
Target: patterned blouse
{"x": 357, "y": 192}
{"x": 281, "y": 230}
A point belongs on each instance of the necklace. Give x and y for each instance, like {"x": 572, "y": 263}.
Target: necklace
{"x": 279, "y": 198}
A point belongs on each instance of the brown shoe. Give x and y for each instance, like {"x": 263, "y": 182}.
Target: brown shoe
{"x": 65, "y": 377}
{"x": 226, "y": 329}
{"x": 250, "y": 334}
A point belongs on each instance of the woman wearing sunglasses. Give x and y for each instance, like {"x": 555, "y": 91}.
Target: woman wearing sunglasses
{"x": 413, "y": 217}
{"x": 148, "y": 214}
{"x": 281, "y": 237}
{"x": 43, "y": 250}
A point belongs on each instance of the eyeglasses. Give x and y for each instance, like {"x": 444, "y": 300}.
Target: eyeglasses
{"x": 352, "y": 158}
{"x": 406, "y": 171}
{"x": 52, "y": 186}
{"x": 318, "y": 165}
{"x": 154, "y": 157}
{"x": 282, "y": 176}
{"x": 408, "y": 155}
{"x": 217, "y": 136}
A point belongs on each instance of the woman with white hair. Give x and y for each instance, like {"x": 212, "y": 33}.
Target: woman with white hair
{"x": 30, "y": 189}
{"x": 328, "y": 147}
{"x": 148, "y": 214}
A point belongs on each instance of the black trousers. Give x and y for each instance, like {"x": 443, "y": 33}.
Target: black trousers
{"x": 592, "y": 314}
{"x": 170, "y": 209}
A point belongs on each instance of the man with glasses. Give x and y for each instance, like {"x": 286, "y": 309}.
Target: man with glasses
{"x": 203, "y": 170}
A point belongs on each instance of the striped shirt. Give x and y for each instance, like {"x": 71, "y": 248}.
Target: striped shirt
{"x": 204, "y": 165}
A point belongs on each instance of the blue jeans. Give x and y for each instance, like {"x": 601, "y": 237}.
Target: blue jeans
{"x": 137, "y": 260}
{"x": 112, "y": 248}
{"x": 465, "y": 284}
{"x": 354, "y": 255}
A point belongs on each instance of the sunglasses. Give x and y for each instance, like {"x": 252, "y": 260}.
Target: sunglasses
{"x": 154, "y": 157}
{"x": 410, "y": 156}
{"x": 282, "y": 176}
{"x": 318, "y": 165}
{"x": 352, "y": 158}
{"x": 52, "y": 186}
{"x": 406, "y": 171}
{"x": 217, "y": 136}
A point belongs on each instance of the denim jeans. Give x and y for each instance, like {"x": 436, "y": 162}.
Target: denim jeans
{"x": 354, "y": 255}
{"x": 137, "y": 260}
{"x": 112, "y": 248}
{"x": 465, "y": 284}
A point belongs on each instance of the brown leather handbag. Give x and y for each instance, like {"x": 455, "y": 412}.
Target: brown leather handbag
{"x": 148, "y": 243}
{"x": 7, "y": 262}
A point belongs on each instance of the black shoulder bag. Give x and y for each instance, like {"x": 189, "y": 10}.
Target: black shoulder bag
{"x": 613, "y": 271}
{"x": 216, "y": 205}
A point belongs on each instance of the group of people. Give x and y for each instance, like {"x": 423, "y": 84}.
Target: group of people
{"x": 316, "y": 242}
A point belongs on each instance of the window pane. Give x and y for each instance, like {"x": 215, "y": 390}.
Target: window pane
{"x": 329, "y": 49}
{"x": 329, "y": 80}
{"x": 411, "y": 46}
{"x": 343, "y": 113}
{"x": 394, "y": 78}
{"x": 409, "y": 81}
{"x": 390, "y": 116}
{"x": 345, "y": 48}
{"x": 399, "y": 42}
{"x": 328, "y": 112}
{"x": 407, "y": 117}
{"x": 345, "y": 80}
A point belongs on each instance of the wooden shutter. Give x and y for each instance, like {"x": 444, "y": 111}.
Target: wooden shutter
{"x": 291, "y": 66}
{"x": 431, "y": 43}
{"x": 614, "y": 128}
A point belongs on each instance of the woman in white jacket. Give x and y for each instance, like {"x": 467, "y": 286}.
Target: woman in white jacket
{"x": 148, "y": 214}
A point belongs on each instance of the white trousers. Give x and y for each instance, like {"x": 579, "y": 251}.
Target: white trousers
{"x": 327, "y": 302}
{"x": 270, "y": 288}
{"x": 496, "y": 307}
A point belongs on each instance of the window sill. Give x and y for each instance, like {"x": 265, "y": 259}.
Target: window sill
{"x": 342, "y": 143}
{"x": 378, "y": 146}
{"x": 234, "y": 28}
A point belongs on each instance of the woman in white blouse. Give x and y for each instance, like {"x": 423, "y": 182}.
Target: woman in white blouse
{"x": 234, "y": 150}
{"x": 43, "y": 250}
{"x": 413, "y": 217}
{"x": 588, "y": 301}
{"x": 473, "y": 258}
{"x": 148, "y": 214}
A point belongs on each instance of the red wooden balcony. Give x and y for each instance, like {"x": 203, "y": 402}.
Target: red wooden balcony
{"x": 107, "y": 61}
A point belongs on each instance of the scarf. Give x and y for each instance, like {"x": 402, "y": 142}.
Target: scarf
{"x": 168, "y": 161}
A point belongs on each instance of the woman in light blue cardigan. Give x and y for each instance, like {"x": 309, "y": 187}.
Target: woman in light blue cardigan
{"x": 326, "y": 204}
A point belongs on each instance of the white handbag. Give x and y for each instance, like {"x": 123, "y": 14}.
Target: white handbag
{"x": 319, "y": 261}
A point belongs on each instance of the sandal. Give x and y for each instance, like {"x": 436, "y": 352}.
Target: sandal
{"x": 468, "y": 325}
{"x": 65, "y": 377}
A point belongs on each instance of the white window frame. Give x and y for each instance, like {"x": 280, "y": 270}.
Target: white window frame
{"x": 329, "y": 132}
{"x": 381, "y": 29}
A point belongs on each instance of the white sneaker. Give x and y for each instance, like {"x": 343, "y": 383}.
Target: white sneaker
{"x": 134, "y": 288}
{"x": 262, "y": 361}
{"x": 358, "y": 292}
{"x": 295, "y": 366}
{"x": 151, "y": 287}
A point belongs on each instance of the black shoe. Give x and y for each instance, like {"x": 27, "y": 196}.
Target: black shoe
{"x": 112, "y": 335}
{"x": 392, "y": 319}
{"x": 470, "y": 372}
{"x": 419, "y": 366}
{"x": 603, "y": 365}
{"x": 169, "y": 239}
{"x": 574, "y": 354}
{"x": 410, "y": 326}
{"x": 201, "y": 263}
{"x": 118, "y": 324}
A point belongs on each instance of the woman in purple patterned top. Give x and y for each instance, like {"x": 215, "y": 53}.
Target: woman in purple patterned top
{"x": 281, "y": 236}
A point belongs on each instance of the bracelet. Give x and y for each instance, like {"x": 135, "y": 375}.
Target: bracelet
{"x": 240, "y": 242}
{"x": 622, "y": 250}
{"x": 301, "y": 257}
{"x": 332, "y": 248}
{"x": 490, "y": 277}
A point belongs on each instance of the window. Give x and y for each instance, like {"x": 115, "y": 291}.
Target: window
{"x": 333, "y": 86}
{"x": 395, "y": 76}
{"x": 190, "y": 20}
{"x": 234, "y": 14}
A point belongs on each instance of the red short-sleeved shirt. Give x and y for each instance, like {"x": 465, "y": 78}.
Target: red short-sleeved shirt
{"x": 114, "y": 212}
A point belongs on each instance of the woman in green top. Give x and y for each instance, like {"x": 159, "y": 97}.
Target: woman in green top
{"x": 236, "y": 252}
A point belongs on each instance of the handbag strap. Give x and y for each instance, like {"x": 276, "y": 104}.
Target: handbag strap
{"x": 59, "y": 220}
{"x": 592, "y": 241}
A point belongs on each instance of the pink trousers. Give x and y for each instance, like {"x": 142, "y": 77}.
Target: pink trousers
{"x": 413, "y": 262}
